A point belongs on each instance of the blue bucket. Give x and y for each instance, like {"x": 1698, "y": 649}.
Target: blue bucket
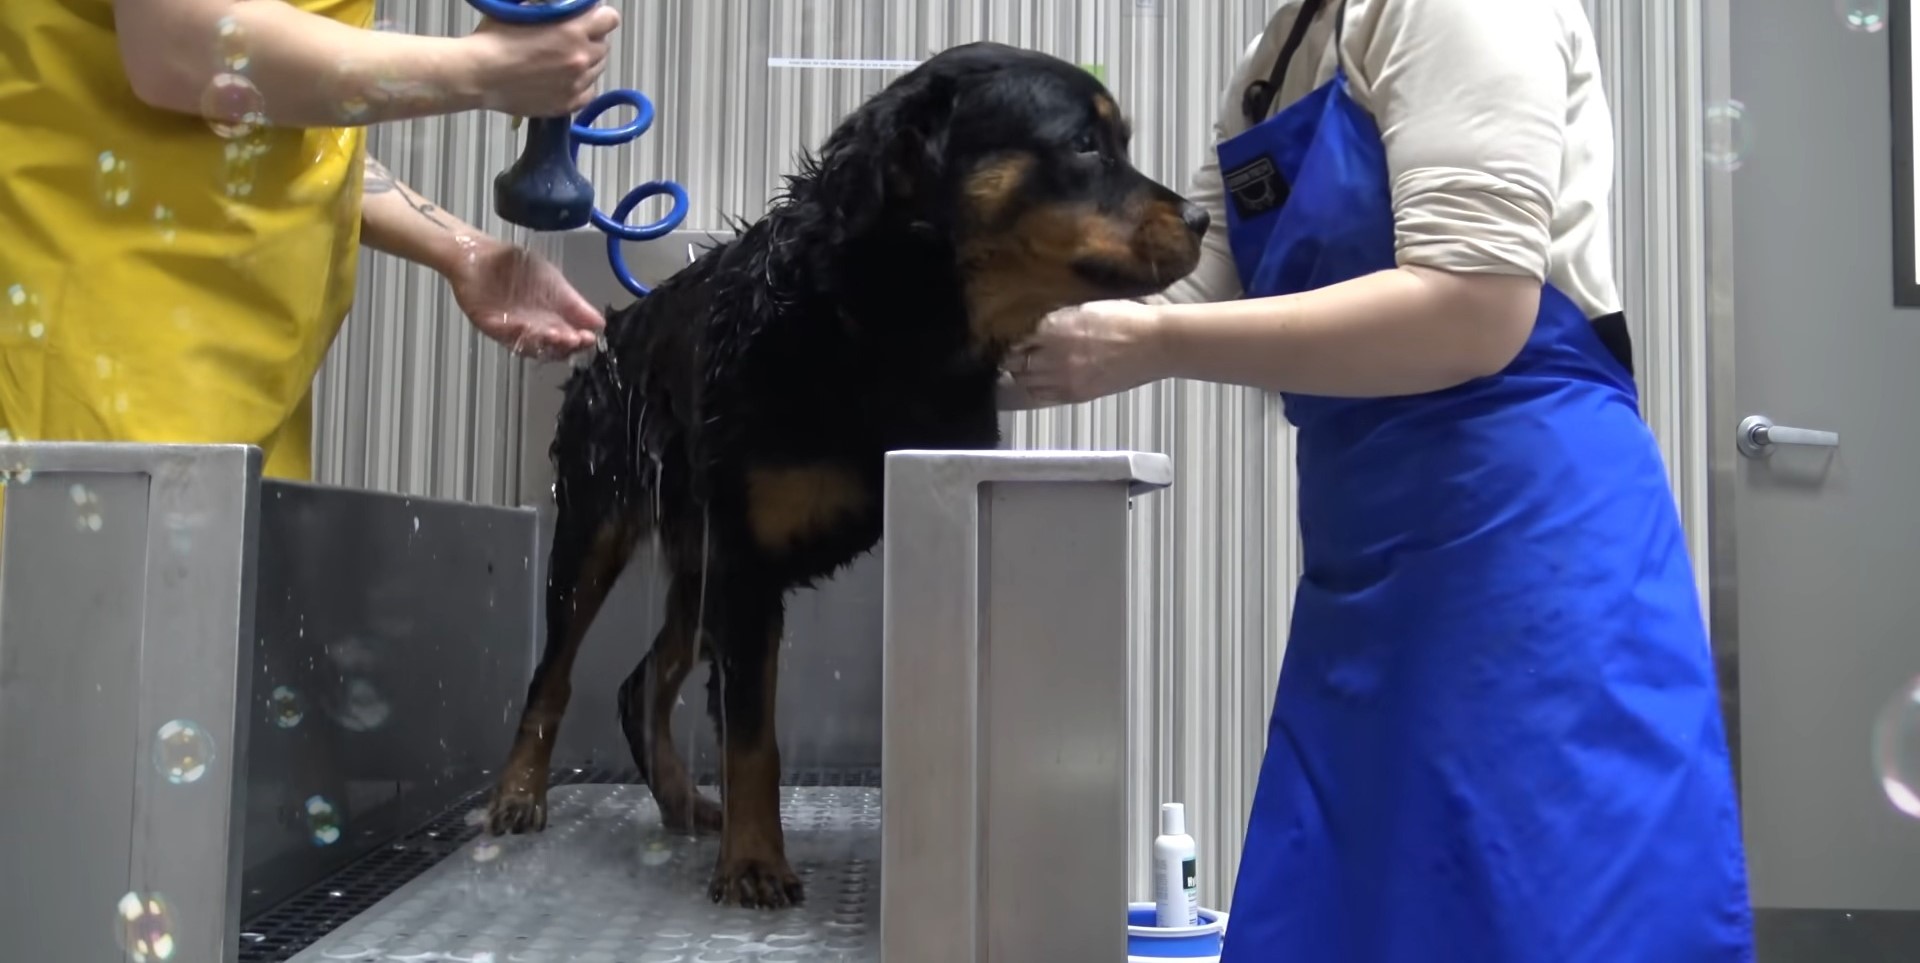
{"x": 1147, "y": 942}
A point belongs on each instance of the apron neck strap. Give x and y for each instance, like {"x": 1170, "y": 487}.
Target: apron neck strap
{"x": 1257, "y": 102}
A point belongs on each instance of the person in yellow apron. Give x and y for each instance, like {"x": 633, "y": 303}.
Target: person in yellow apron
{"x": 181, "y": 205}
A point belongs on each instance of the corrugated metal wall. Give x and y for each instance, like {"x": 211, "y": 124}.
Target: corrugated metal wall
{"x": 412, "y": 401}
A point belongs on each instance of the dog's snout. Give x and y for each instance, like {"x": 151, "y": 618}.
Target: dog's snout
{"x": 1196, "y": 218}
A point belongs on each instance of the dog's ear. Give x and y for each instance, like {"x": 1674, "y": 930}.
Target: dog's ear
{"x": 885, "y": 160}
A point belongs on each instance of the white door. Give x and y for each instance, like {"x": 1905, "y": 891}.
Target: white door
{"x": 1816, "y": 597}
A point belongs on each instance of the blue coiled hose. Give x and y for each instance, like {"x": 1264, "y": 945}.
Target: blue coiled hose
{"x": 544, "y": 191}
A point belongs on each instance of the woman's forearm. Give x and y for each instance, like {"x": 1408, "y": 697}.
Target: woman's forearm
{"x": 396, "y": 220}
{"x": 304, "y": 70}
{"x": 1402, "y": 331}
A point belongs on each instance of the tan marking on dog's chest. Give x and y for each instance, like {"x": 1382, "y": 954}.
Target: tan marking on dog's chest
{"x": 788, "y": 504}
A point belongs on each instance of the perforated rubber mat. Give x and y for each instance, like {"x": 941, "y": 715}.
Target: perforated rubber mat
{"x": 606, "y": 884}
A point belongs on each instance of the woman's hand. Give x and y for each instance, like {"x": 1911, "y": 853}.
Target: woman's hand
{"x": 1087, "y": 352}
{"x": 542, "y": 71}
{"x": 521, "y": 300}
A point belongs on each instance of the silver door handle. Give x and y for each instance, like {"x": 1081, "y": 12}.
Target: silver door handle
{"x": 1758, "y": 433}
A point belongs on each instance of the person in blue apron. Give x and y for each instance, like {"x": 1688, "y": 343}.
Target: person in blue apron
{"x": 1496, "y": 736}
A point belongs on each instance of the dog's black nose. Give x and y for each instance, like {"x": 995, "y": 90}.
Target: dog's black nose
{"x": 1196, "y": 218}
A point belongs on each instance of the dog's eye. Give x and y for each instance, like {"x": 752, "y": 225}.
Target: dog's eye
{"x": 1086, "y": 143}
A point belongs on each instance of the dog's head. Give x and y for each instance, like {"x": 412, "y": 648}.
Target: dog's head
{"x": 1017, "y": 162}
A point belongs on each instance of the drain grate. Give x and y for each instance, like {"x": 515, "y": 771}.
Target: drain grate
{"x": 281, "y": 933}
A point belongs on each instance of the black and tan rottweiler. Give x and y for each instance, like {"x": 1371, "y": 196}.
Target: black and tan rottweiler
{"x": 741, "y": 413}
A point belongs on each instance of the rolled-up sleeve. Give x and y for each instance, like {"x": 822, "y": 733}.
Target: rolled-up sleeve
{"x": 1471, "y": 101}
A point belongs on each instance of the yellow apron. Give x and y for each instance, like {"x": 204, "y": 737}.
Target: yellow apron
{"x": 161, "y": 282}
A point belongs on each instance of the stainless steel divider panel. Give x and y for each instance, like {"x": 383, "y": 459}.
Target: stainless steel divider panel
{"x": 1003, "y": 830}
{"x": 215, "y": 691}
{"x": 126, "y": 612}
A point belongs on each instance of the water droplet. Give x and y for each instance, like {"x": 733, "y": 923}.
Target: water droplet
{"x": 323, "y": 821}
{"x": 145, "y": 927}
{"x": 1896, "y": 749}
{"x": 230, "y": 44}
{"x": 1729, "y": 135}
{"x": 182, "y": 751}
{"x": 287, "y": 711}
{"x": 1863, "y": 16}
{"x": 113, "y": 178}
{"x": 20, "y": 312}
{"x": 232, "y": 106}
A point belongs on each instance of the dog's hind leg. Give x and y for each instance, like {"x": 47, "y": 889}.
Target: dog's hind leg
{"x": 647, "y": 701}
{"x": 592, "y": 542}
{"x": 752, "y": 870}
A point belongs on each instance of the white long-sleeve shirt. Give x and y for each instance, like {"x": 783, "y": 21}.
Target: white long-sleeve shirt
{"x": 1498, "y": 137}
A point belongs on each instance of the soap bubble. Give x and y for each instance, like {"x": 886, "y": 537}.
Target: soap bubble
{"x": 287, "y": 711}
{"x": 1863, "y": 16}
{"x": 230, "y": 45}
{"x": 182, "y": 751}
{"x": 240, "y": 164}
{"x": 323, "y": 821}
{"x": 232, "y": 106}
{"x": 166, "y": 223}
{"x": 86, "y": 518}
{"x": 1896, "y": 750}
{"x": 352, "y": 88}
{"x": 1729, "y": 135}
{"x": 145, "y": 927}
{"x": 362, "y": 708}
{"x": 20, "y": 313}
{"x": 114, "y": 179}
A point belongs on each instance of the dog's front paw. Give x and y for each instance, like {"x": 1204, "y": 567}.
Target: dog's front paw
{"x": 756, "y": 883}
{"x": 518, "y": 807}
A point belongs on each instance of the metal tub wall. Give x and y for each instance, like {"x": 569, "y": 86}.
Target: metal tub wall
{"x": 390, "y": 663}
{"x": 412, "y": 401}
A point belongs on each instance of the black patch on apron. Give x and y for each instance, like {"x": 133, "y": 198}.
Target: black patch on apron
{"x": 1612, "y": 330}
{"x": 1256, "y": 187}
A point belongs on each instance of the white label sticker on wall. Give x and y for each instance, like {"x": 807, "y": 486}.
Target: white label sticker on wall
{"x": 833, "y": 63}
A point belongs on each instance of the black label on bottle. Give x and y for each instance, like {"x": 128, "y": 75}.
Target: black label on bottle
{"x": 1191, "y": 879}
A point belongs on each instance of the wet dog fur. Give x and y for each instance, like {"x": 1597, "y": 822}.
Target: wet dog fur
{"x": 740, "y": 414}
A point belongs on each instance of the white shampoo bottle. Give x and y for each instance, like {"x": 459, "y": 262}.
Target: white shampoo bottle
{"x": 1176, "y": 888}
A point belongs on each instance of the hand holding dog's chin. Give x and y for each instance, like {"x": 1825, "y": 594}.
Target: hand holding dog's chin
{"x": 515, "y": 297}
{"x": 1089, "y": 351}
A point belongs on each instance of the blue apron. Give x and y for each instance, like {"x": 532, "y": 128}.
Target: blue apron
{"x": 1497, "y": 737}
